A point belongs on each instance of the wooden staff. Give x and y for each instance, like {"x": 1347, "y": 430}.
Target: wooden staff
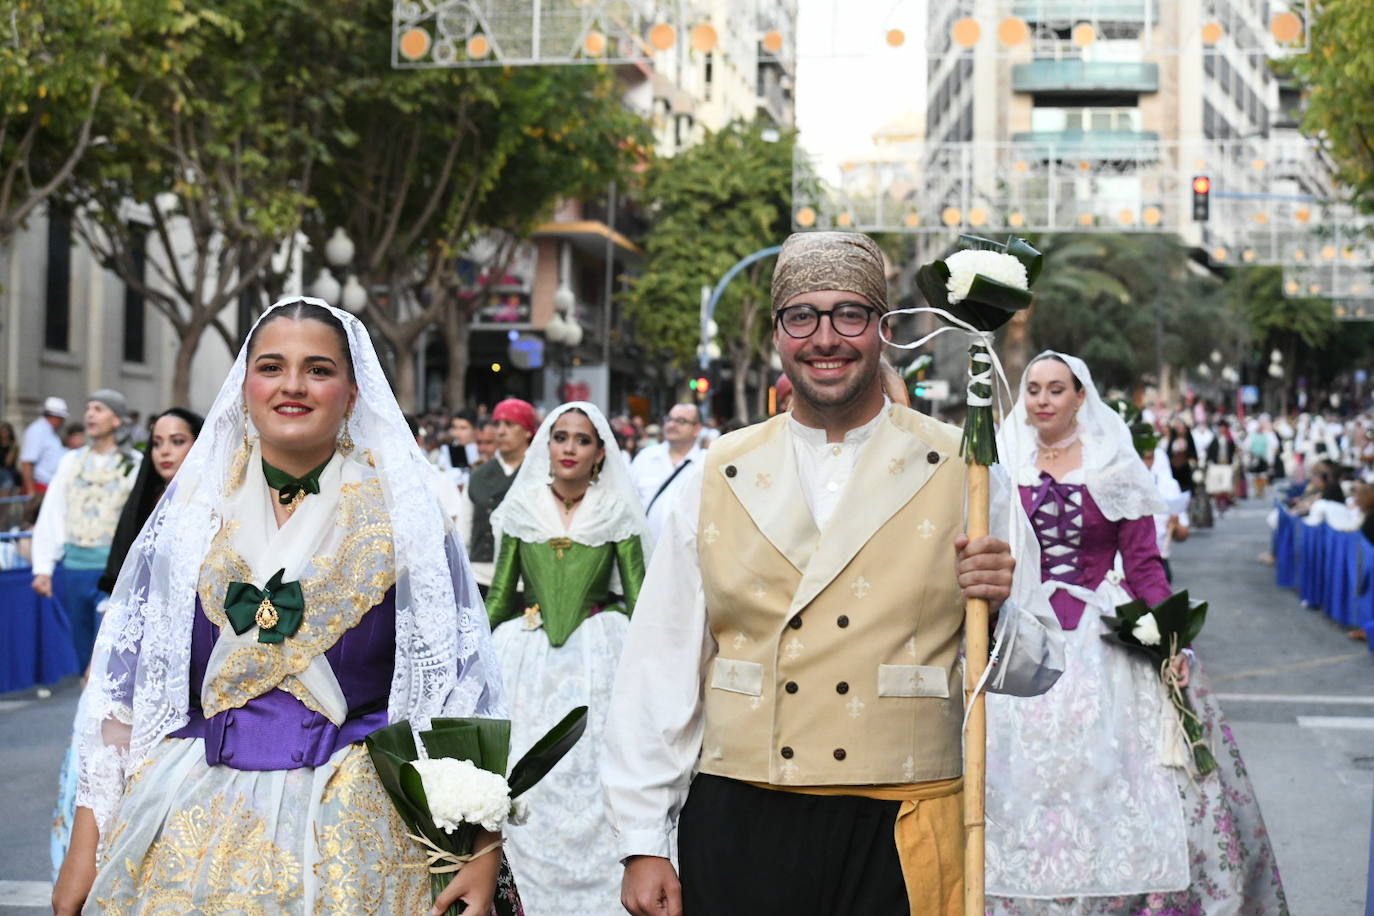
{"x": 975, "y": 735}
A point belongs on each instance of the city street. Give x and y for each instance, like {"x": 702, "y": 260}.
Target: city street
{"x": 1298, "y": 693}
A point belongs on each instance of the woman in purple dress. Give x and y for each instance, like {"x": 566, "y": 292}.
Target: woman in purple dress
{"x": 1093, "y": 803}
{"x": 296, "y": 588}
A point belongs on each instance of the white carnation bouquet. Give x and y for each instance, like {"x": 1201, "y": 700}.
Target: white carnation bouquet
{"x": 1161, "y": 632}
{"x": 459, "y": 787}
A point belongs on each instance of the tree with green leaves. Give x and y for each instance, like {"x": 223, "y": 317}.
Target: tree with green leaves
{"x": 60, "y": 62}
{"x": 204, "y": 177}
{"x": 432, "y": 161}
{"x": 713, "y": 205}
{"x": 1338, "y": 78}
{"x": 1131, "y": 305}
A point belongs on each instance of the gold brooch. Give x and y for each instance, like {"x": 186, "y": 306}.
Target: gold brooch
{"x": 559, "y": 545}
{"x": 533, "y": 619}
{"x": 266, "y": 617}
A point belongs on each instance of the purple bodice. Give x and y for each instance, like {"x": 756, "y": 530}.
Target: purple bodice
{"x": 276, "y": 731}
{"x": 1078, "y": 546}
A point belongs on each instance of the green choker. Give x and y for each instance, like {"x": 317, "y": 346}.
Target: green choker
{"x": 291, "y": 490}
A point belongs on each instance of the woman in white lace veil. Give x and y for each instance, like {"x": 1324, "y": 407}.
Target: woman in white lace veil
{"x": 1093, "y": 804}
{"x": 571, "y": 528}
{"x": 386, "y": 588}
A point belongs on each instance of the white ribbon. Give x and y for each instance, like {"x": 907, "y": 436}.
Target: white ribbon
{"x": 990, "y": 374}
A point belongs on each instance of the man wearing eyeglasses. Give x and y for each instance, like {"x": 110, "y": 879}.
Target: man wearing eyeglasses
{"x": 789, "y": 696}
{"x": 659, "y": 470}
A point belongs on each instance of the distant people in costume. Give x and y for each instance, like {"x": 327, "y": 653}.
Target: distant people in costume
{"x": 1094, "y": 805}
{"x": 172, "y": 435}
{"x": 80, "y": 511}
{"x": 572, "y": 530}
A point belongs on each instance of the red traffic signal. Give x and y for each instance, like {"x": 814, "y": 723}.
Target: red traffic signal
{"x": 1202, "y": 189}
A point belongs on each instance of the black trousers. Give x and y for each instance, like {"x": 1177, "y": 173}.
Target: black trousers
{"x": 746, "y": 851}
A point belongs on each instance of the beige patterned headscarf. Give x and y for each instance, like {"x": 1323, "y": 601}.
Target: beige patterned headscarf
{"x": 811, "y": 261}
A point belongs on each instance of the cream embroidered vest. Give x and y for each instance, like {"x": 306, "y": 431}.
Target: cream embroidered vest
{"x": 836, "y": 649}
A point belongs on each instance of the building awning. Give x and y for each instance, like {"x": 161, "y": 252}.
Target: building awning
{"x": 590, "y": 237}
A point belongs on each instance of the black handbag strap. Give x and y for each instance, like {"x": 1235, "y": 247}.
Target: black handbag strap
{"x": 671, "y": 477}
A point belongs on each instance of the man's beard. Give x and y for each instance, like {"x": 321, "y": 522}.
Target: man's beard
{"x": 829, "y": 397}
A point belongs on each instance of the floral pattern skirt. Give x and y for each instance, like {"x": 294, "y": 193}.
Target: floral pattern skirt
{"x": 188, "y": 838}
{"x": 1230, "y": 860}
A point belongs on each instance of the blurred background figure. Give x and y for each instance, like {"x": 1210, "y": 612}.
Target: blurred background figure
{"x": 659, "y": 468}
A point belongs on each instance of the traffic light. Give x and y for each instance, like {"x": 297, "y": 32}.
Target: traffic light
{"x": 701, "y": 385}
{"x": 1202, "y": 188}
{"x": 920, "y": 390}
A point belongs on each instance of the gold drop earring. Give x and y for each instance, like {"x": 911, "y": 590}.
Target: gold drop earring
{"x": 238, "y": 470}
{"x": 346, "y": 440}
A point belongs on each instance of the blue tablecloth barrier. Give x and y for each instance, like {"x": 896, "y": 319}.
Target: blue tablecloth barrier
{"x": 1330, "y": 569}
{"x": 35, "y": 638}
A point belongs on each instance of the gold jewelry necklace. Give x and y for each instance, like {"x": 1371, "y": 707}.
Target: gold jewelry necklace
{"x": 568, "y": 502}
{"x": 1051, "y": 451}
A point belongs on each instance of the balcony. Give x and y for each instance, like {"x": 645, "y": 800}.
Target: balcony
{"x": 1092, "y": 10}
{"x": 1046, "y": 77}
{"x": 1138, "y": 145}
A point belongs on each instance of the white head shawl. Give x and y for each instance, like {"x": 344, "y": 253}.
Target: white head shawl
{"x": 1116, "y": 477}
{"x": 140, "y": 686}
{"x": 610, "y": 511}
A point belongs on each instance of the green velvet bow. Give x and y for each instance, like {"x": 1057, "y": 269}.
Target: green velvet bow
{"x": 289, "y": 487}
{"x": 277, "y": 609}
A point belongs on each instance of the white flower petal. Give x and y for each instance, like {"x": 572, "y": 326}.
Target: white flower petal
{"x": 967, "y": 264}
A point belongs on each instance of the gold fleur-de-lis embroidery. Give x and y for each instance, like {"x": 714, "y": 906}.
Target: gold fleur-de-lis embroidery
{"x": 763, "y": 481}
{"x": 731, "y": 674}
{"x": 740, "y": 641}
{"x": 717, "y": 753}
{"x": 896, "y": 466}
{"x": 793, "y": 649}
{"x": 755, "y": 702}
{"x": 861, "y": 588}
{"x": 911, "y": 647}
{"x": 909, "y": 769}
{"x": 759, "y": 589}
{"x": 790, "y": 771}
{"x": 855, "y": 707}
{"x": 925, "y": 529}
{"x": 710, "y": 534}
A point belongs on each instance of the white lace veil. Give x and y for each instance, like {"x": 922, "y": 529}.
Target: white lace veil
{"x": 1116, "y": 477}
{"x": 139, "y": 687}
{"x": 609, "y": 512}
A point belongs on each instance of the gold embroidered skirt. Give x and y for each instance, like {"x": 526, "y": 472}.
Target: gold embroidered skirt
{"x": 189, "y": 838}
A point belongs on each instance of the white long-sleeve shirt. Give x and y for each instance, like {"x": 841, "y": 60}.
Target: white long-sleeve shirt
{"x": 655, "y": 723}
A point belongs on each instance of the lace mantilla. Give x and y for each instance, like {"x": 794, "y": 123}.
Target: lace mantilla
{"x": 1117, "y": 479}
{"x": 139, "y": 688}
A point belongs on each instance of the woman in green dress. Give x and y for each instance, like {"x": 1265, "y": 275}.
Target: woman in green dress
{"x": 572, "y": 529}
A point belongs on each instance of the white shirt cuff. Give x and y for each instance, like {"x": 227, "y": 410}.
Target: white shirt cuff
{"x": 644, "y": 843}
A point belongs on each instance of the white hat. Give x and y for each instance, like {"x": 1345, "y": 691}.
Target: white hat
{"x": 55, "y": 407}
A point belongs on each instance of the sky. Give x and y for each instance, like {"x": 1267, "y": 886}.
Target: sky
{"x": 849, "y": 81}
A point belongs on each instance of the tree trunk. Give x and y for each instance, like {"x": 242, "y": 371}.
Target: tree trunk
{"x": 188, "y": 343}
{"x": 404, "y": 356}
{"x": 739, "y": 362}
{"x": 1016, "y": 347}
{"x": 457, "y": 337}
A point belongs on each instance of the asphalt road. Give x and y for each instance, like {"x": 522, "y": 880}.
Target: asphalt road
{"x": 1298, "y": 693}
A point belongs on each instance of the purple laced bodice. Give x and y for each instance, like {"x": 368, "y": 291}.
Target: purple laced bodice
{"x": 1078, "y": 546}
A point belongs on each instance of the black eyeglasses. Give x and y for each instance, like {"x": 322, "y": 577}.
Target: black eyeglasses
{"x": 849, "y": 319}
